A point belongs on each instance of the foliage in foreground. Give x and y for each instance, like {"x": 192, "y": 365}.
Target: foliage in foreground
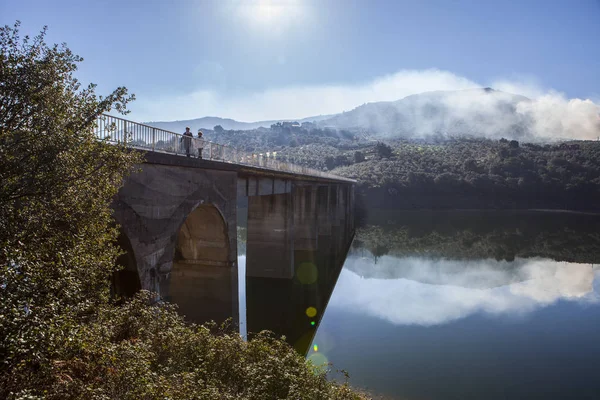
{"x": 61, "y": 335}
{"x": 57, "y": 182}
{"x": 142, "y": 351}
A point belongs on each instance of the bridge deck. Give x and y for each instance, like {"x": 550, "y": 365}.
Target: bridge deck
{"x": 171, "y": 148}
{"x": 241, "y": 169}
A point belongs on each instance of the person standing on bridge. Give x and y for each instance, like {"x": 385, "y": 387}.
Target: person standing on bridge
{"x": 200, "y": 143}
{"x": 187, "y": 140}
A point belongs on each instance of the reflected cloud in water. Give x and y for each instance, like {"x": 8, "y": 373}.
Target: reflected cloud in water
{"x": 422, "y": 291}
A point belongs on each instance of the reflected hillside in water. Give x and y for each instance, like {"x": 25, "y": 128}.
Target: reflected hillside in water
{"x": 449, "y": 265}
{"x": 500, "y": 235}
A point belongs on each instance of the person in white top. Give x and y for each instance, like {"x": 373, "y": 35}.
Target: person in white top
{"x": 199, "y": 143}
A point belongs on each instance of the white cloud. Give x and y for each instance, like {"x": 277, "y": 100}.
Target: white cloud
{"x": 551, "y": 113}
{"x": 295, "y": 101}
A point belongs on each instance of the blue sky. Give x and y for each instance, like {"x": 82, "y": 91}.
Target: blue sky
{"x": 261, "y": 59}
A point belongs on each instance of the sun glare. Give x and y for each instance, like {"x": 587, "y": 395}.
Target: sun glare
{"x": 268, "y": 10}
{"x": 271, "y": 13}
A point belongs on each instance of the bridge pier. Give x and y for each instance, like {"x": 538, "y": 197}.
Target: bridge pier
{"x": 306, "y": 229}
{"x": 292, "y": 301}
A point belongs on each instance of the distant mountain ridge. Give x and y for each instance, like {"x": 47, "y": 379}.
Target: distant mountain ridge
{"x": 226, "y": 123}
{"x": 472, "y": 112}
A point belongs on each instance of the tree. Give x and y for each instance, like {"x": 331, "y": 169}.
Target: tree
{"x": 218, "y": 129}
{"x": 470, "y": 165}
{"x": 341, "y": 160}
{"x": 57, "y": 184}
{"x": 330, "y": 162}
{"x": 383, "y": 150}
{"x": 359, "y": 156}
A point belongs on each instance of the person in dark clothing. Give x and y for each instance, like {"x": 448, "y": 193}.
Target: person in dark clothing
{"x": 186, "y": 139}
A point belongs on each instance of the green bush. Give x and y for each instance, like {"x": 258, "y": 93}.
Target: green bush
{"x": 142, "y": 351}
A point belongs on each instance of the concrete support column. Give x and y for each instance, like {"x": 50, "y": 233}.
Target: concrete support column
{"x": 345, "y": 212}
{"x": 305, "y": 218}
{"x": 270, "y": 237}
{"x": 318, "y": 215}
{"x": 323, "y": 208}
{"x": 351, "y": 195}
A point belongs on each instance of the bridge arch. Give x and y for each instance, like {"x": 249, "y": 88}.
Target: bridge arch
{"x": 126, "y": 281}
{"x": 202, "y": 239}
{"x": 200, "y": 278}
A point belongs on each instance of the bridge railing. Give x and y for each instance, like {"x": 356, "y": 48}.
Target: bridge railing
{"x": 149, "y": 138}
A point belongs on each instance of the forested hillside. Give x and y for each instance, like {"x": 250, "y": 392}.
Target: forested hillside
{"x": 439, "y": 172}
{"x": 480, "y": 174}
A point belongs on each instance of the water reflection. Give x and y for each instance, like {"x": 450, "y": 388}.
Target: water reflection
{"x": 291, "y": 249}
{"x": 442, "y": 305}
{"x": 424, "y": 291}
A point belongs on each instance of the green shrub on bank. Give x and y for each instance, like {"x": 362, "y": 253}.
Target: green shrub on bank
{"x": 142, "y": 351}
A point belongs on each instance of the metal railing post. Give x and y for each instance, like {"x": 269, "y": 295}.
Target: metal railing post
{"x": 125, "y": 133}
{"x": 153, "y": 138}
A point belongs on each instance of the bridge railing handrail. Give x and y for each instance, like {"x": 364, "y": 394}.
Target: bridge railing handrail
{"x": 150, "y": 138}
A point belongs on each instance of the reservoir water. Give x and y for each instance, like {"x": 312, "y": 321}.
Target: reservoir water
{"x": 497, "y": 305}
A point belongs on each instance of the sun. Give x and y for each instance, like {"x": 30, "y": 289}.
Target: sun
{"x": 269, "y": 13}
{"x": 269, "y": 10}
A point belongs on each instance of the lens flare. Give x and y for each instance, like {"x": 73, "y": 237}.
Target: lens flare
{"x": 311, "y": 312}
{"x": 307, "y": 273}
{"x": 318, "y": 360}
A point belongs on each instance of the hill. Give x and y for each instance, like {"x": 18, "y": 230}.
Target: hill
{"x": 475, "y": 112}
{"x": 477, "y": 174}
{"x": 430, "y": 151}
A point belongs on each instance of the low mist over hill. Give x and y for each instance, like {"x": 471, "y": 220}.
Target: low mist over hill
{"x": 477, "y": 112}
{"x": 472, "y": 113}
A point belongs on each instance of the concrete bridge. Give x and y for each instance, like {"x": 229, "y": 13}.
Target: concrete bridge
{"x": 179, "y": 221}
